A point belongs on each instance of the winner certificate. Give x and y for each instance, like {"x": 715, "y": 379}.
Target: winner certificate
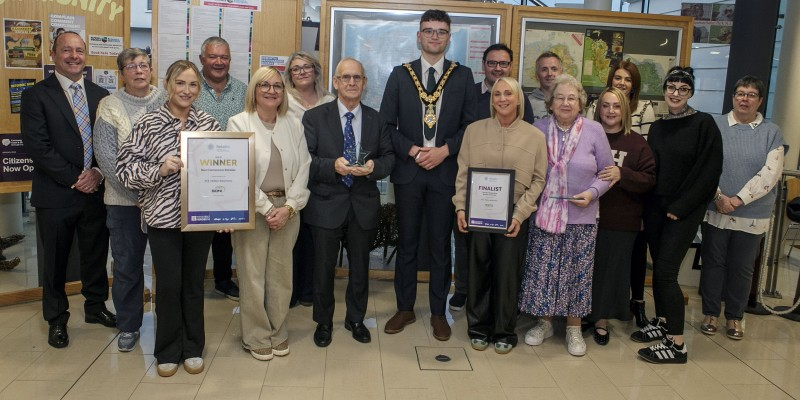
{"x": 490, "y": 199}
{"x": 217, "y": 181}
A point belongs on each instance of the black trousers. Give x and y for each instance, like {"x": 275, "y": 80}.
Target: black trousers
{"x": 461, "y": 259}
{"x": 425, "y": 194}
{"x": 494, "y": 273}
{"x": 669, "y": 241}
{"x": 303, "y": 265}
{"x": 179, "y": 260}
{"x": 638, "y": 266}
{"x": 358, "y": 246}
{"x": 57, "y": 228}
{"x": 222, "y": 252}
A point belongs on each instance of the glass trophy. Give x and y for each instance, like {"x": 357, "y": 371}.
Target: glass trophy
{"x": 361, "y": 157}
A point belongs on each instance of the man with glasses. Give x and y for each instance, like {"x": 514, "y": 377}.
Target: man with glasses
{"x": 548, "y": 68}
{"x": 222, "y": 96}
{"x": 351, "y": 149}
{"x": 430, "y": 122}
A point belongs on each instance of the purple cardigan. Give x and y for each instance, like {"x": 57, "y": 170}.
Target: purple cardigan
{"x": 591, "y": 155}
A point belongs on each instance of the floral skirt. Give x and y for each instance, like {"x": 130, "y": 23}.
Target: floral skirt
{"x": 557, "y": 276}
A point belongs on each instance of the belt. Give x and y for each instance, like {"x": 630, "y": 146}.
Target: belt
{"x": 276, "y": 193}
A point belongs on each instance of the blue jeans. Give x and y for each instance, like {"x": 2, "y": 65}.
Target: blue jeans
{"x": 127, "y": 249}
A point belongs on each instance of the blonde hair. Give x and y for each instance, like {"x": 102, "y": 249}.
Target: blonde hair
{"x": 177, "y": 68}
{"x": 287, "y": 77}
{"x": 516, "y": 89}
{"x": 624, "y": 104}
{"x": 262, "y": 74}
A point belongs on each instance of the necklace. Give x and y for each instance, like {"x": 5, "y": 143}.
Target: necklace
{"x": 564, "y": 131}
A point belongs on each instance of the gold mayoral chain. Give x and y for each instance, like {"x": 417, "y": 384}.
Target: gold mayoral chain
{"x": 430, "y": 99}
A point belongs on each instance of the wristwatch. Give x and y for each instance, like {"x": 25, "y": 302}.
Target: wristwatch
{"x": 292, "y": 212}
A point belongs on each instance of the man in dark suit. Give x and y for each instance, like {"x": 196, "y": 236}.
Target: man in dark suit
{"x": 430, "y": 124}
{"x": 345, "y": 201}
{"x": 56, "y": 120}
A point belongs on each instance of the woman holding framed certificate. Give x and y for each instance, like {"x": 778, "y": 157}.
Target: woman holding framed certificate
{"x": 515, "y": 148}
{"x": 557, "y": 279}
{"x": 149, "y": 161}
{"x": 265, "y": 254}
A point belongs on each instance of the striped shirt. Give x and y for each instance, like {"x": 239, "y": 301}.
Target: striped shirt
{"x": 155, "y": 136}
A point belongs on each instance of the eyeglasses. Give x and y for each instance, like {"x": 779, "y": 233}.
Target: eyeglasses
{"x": 133, "y": 66}
{"x": 347, "y": 78}
{"x": 428, "y": 32}
{"x": 562, "y": 99}
{"x": 266, "y": 86}
{"x": 682, "y": 91}
{"x": 297, "y": 69}
{"x": 501, "y": 64}
{"x": 748, "y": 95}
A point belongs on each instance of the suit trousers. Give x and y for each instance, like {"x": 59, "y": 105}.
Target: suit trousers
{"x": 265, "y": 280}
{"x": 425, "y": 194}
{"x": 729, "y": 258}
{"x": 303, "y": 255}
{"x": 57, "y": 228}
{"x": 461, "y": 260}
{"x": 357, "y": 243}
{"x": 179, "y": 260}
{"x": 669, "y": 241}
{"x": 495, "y": 262}
{"x": 128, "y": 244}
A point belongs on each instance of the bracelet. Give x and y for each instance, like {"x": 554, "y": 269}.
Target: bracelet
{"x": 292, "y": 212}
{"x": 718, "y": 196}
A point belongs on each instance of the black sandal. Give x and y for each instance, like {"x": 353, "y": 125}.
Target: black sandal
{"x": 601, "y": 338}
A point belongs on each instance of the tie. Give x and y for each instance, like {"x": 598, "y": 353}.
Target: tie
{"x": 349, "y": 147}
{"x": 81, "y": 110}
{"x": 430, "y": 86}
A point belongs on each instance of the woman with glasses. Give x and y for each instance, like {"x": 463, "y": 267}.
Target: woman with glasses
{"x": 304, "y": 89}
{"x": 116, "y": 115}
{"x": 688, "y": 149}
{"x": 557, "y": 278}
{"x": 149, "y": 162}
{"x": 265, "y": 254}
{"x": 753, "y": 150}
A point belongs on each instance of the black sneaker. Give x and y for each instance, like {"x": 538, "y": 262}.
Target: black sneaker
{"x": 227, "y": 289}
{"x": 655, "y": 330}
{"x": 457, "y": 301}
{"x": 666, "y": 352}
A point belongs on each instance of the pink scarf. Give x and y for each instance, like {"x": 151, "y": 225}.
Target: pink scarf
{"x": 552, "y": 214}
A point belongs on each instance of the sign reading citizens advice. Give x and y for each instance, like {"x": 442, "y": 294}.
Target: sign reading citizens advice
{"x": 217, "y": 191}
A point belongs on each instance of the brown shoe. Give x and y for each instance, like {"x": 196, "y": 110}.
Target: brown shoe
{"x": 399, "y": 321}
{"x": 441, "y": 329}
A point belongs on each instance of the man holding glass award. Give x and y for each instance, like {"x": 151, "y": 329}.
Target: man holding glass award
{"x": 351, "y": 148}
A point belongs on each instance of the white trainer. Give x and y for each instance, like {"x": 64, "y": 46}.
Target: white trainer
{"x": 541, "y": 331}
{"x": 193, "y": 365}
{"x": 575, "y": 343}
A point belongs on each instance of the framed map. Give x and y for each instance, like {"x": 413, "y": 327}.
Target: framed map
{"x": 590, "y": 45}
{"x": 382, "y": 39}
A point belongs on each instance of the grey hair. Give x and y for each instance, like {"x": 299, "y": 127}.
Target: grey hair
{"x": 130, "y": 54}
{"x": 213, "y": 40}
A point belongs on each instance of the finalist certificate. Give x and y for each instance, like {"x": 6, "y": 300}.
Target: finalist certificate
{"x": 490, "y": 199}
{"x": 217, "y": 181}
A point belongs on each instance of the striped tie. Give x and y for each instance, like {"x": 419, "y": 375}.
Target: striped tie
{"x": 81, "y": 110}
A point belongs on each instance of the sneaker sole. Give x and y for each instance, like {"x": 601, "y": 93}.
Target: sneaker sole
{"x": 531, "y": 342}
{"x": 260, "y": 357}
{"x": 193, "y": 371}
{"x": 167, "y": 373}
{"x": 577, "y": 354}
{"x": 663, "y": 361}
{"x": 455, "y": 308}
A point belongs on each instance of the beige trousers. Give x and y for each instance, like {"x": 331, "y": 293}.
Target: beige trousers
{"x": 264, "y": 267}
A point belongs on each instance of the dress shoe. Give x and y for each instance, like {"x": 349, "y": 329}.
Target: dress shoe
{"x": 105, "y": 318}
{"x": 399, "y": 321}
{"x": 323, "y": 335}
{"x": 441, "y": 329}
{"x": 360, "y": 332}
{"x": 57, "y": 336}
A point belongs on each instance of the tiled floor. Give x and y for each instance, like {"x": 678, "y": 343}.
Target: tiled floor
{"x": 766, "y": 365}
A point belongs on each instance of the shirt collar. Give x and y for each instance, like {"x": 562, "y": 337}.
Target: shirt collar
{"x": 438, "y": 66}
{"x": 754, "y": 124}
{"x": 343, "y": 110}
{"x": 484, "y": 87}
{"x": 66, "y": 82}
{"x": 227, "y": 82}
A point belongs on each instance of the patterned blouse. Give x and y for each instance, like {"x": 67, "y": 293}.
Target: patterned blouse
{"x": 155, "y": 136}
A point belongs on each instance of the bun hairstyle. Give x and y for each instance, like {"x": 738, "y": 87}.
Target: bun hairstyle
{"x": 680, "y": 74}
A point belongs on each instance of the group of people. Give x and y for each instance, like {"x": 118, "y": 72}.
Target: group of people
{"x": 109, "y": 166}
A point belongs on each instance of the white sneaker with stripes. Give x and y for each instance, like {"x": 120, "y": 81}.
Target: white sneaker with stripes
{"x": 665, "y": 352}
{"x": 655, "y": 330}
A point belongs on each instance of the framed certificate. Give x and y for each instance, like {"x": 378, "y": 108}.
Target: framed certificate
{"x": 217, "y": 181}
{"x": 490, "y": 199}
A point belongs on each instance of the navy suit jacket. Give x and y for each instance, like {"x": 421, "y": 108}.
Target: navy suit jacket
{"x": 402, "y": 108}
{"x": 52, "y": 139}
{"x": 330, "y": 199}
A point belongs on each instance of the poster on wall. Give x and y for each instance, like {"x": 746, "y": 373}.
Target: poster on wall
{"x": 277, "y": 62}
{"x": 251, "y": 5}
{"x": 60, "y": 23}
{"x": 15, "y": 88}
{"x": 106, "y": 79}
{"x": 602, "y": 52}
{"x": 17, "y": 166}
{"x": 23, "y": 43}
{"x": 567, "y": 45}
{"x": 713, "y": 23}
{"x": 109, "y": 46}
